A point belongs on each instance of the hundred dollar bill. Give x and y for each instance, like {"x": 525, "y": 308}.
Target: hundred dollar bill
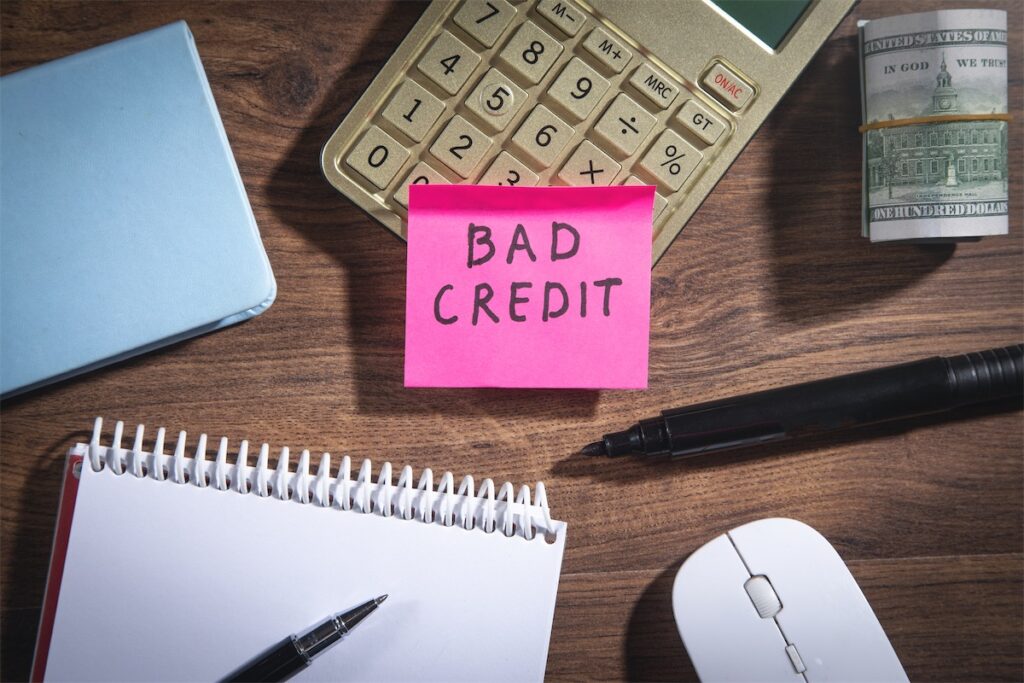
{"x": 935, "y": 162}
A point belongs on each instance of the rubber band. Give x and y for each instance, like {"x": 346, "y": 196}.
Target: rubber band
{"x": 942, "y": 118}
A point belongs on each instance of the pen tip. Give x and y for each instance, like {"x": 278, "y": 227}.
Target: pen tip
{"x": 381, "y": 599}
{"x": 596, "y": 448}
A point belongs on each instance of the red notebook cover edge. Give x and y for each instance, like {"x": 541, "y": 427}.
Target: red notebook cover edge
{"x": 58, "y": 554}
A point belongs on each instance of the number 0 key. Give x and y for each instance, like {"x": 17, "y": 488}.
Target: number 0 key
{"x": 377, "y": 157}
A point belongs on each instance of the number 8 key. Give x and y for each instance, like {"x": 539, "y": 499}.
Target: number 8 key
{"x": 531, "y": 52}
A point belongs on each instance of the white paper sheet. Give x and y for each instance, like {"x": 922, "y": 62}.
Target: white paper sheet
{"x": 168, "y": 581}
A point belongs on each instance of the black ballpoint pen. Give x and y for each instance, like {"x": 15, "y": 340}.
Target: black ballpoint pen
{"x": 294, "y": 653}
{"x": 933, "y": 385}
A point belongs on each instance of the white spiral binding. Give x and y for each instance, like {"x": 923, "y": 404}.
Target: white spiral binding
{"x": 466, "y": 507}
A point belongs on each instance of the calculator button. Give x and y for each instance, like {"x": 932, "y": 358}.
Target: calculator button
{"x": 700, "y": 121}
{"x": 460, "y": 146}
{"x": 727, "y": 87}
{"x": 531, "y": 52}
{"x": 448, "y": 63}
{"x": 377, "y": 157}
{"x": 609, "y": 51}
{"x": 507, "y": 170}
{"x": 496, "y": 100}
{"x": 624, "y": 125}
{"x": 485, "y": 20}
{"x": 563, "y": 15}
{"x": 413, "y": 110}
{"x": 671, "y": 160}
{"x": 659, "y": 202}
{"x": 656, "y": 86}
{"x": 543, "y": 136}
{"x": 421, "y": 175}
{"x": 588, "y": 165}
{"x": 578, "y": 88}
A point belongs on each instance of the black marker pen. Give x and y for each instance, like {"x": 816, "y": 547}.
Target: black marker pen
{"x": 923, "y": 387}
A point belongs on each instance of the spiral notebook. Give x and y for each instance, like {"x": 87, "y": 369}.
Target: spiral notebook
{"x": 169, "y": 567}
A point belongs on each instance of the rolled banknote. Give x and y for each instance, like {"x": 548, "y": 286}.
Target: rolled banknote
{"x": 934, "y": 100}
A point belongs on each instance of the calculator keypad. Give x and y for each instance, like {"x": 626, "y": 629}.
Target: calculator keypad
{"x": 531, "y": 52}
{"x": 413, "y": 110}
{"x": 377, "y": 157}
{"x": 607, "y": 50}
{"x": 421, "y": 174}
{"x": 448, "y": 62}
{"x": 589, "y": 166}
{"x": 496, "y": 100}
{"x": 485, "y": 20}
{"x": 624, "y": 125}
{"x": 578, "y": 89}
{"x": 563, "y": 15}
{"x": 654, "y": 85}
{"x": 671, "y": 160}
{"x": 729, "y": 88}
{"x": 538, "y": 92}
{"x": 700, "y": 121}
{"x": 543, "y": 136}
{"x": 508, "y": 171}
{"x": 460, "y": 146}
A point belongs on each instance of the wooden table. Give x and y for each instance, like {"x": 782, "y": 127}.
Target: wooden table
{"x": 769, "y": 284}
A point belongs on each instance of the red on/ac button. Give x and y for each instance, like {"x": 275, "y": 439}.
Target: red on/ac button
{"x": 726, "y": 86}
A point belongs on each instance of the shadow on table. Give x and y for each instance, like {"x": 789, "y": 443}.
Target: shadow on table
{"x": 20, "y": 624}
{"x": 654, "y": 651}
{"x": 373, "y": 260}
{"x": 821, "y": 266}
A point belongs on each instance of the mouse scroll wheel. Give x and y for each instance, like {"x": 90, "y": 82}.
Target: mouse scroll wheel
{"x": 764, "y": 597}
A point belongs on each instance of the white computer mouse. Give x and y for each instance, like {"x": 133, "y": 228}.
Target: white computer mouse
{"x": 773, "y": 601}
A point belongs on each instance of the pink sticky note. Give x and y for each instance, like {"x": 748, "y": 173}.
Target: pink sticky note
{"x": 473, "y": 319}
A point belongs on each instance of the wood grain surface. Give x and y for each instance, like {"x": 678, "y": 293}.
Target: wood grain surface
{"x": 769, "y": 284}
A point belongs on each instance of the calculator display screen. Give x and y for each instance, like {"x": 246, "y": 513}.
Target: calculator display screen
{"x": 769, "y": 20}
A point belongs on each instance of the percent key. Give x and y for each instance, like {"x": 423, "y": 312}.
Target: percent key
{"x": 671, "y": 160}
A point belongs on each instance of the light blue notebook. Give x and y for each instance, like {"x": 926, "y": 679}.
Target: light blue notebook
{"x": 124, "y": 224}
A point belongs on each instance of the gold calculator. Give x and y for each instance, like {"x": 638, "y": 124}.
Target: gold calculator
{"x": 560, "y": 92}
